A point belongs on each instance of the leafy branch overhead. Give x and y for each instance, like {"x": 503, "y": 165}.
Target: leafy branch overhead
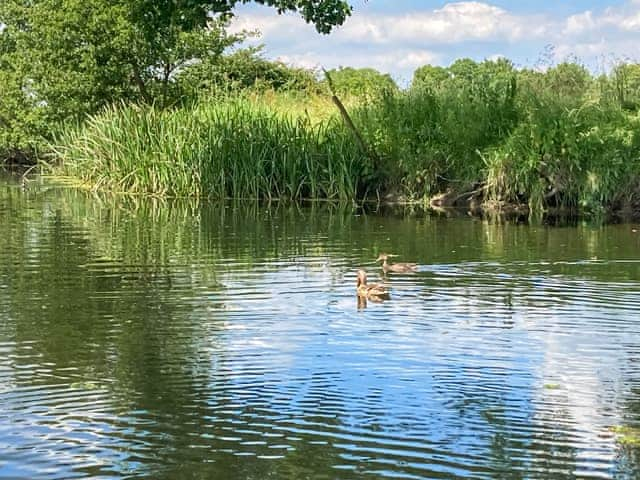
{"x": 324, "y": 14}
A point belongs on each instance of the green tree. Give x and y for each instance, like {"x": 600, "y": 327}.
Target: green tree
{"x": 430, "y": 76}
{"x": 464, "y": 69}
{"x": 63, "y": 59}
{"x": 568, "y": 79}
{"x": 247, "y": 69}
{"x": 73, "y": 56}
{"x": 361, "y": 81}
{"x": 626, "y": 80}
{"x": 324, "y": 14}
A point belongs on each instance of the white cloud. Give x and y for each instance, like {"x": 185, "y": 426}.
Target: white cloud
{"x": 400, "y": 42}
{"x": 496, "y": 56}
{"x": 455, "y": 22}
{"x": 583, "y": 49}
{"x": 580, "y": 23}
{"x": 269, "y": 24}
{"x": 605, "y": 36}
{"x": 631, "y": 23}
{"x": 417, "y": 58}
{"x": 303, "y": 60}
{"x": 611, "y": 20}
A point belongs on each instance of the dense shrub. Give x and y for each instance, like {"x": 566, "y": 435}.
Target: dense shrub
{"x": 361, "y": 82}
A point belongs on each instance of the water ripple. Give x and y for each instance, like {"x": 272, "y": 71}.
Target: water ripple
{"x": 186, "y": 343}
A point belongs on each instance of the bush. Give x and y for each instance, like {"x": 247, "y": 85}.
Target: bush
{"x": 361, "y": 82}
{"x": 246, "y": 69}
{"x": 429, "y": 137}
{"x": 583, "y": 156}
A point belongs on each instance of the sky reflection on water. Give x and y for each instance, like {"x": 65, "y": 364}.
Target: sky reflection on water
{"x": 196, "y": 341}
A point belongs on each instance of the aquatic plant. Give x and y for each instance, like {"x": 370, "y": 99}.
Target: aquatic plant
{"x": 231, "y": 148}
{"x": 559, "y": 139}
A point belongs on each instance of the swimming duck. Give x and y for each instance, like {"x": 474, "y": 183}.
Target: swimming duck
{"x": 375, "y": 291}
{"x": 395, "y": 267}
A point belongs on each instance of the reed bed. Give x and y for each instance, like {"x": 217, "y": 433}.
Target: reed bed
{"x": 232, "y": 148}
{"x": 514, "y": 137}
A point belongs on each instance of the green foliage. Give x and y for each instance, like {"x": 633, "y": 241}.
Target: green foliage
{"x": 428, "y": 136}
{"x": 361, "y": 82}
{"x": 568, "y": 155}
{"x": 626, "y": 85}
{"x": 430, "y": 77}
{"x": 324, "y": 14}
{"x": 19, "y": 120}
{"x": 226, "y": 148}
{"x": 568, "y": 80}
{"x": 549, "y": 139}
{"x": 63, "y": 59}
{"x": 246, "y": 69}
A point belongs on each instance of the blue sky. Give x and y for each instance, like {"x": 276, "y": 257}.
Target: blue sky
{"x": 397, "y": 36}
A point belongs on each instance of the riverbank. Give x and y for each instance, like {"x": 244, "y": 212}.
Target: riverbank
{"x": 541, "y": 151}
{"x": 480, "y": 136}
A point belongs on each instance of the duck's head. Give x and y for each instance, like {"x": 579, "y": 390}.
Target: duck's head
{"x": 362, "y": 278}
{"x": 384, "y": 256}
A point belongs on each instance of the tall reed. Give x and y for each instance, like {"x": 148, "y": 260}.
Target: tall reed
{"x": 232, "y": 148}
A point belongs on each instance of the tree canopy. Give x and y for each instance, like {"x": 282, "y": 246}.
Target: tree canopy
{"x": 361, "y": 81}
{"x": 73, "y": 56}
{"x": 324, "y": 14}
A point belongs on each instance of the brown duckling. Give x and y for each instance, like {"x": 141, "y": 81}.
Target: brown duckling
{"x": 395, "y": 267}
{"x": 375, "y": 291}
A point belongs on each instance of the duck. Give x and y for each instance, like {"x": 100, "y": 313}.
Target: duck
{"x": 395, "y": 267}
{"x": 374, "y": 291}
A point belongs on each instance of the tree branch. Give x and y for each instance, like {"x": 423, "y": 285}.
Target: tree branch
{"x": 142, "y": 87}
{"x": 348, "y": 121}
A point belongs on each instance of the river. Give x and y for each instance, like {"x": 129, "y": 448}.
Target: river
{"x": 184, "y": 339}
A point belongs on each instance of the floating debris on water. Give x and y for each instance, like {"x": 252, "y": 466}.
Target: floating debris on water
{"x": 627, "y": 436}
{"x": 85, "y": 385}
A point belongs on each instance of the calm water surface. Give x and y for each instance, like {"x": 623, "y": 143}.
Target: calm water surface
{"x": 176, "y": 340}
